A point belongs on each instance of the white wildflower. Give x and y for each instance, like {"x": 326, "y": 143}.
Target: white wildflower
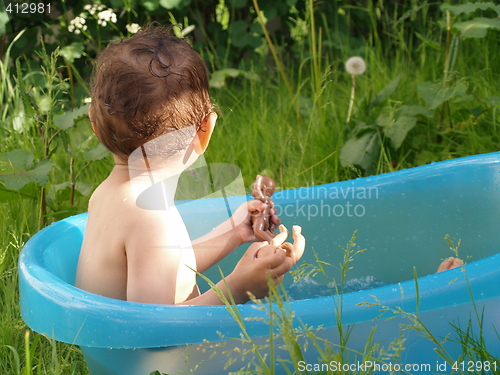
{"x": 107, "y": 15}
{"x": 355, "y": 66}
{"x": 87, "y": 100}
{"x": 77, "y": 24}
{"x": 92, "y": 9}
{"x": 133, "y": 28}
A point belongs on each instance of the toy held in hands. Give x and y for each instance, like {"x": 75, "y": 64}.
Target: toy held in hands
{"x": 263, "y": 227}
{"x": 294, "y": 251}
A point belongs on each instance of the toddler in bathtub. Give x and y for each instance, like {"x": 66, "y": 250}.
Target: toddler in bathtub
{"x": 151, "y": 108}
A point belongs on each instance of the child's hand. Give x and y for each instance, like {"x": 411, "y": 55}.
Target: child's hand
{"x": 242, "y": 219}
{"x": 251, "y": 274}
{"x": 296, "y": 250}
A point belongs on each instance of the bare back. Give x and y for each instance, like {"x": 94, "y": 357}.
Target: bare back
{"x": 134, "y": 254}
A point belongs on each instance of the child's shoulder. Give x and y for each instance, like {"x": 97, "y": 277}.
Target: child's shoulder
{"x": 116, "y": 199}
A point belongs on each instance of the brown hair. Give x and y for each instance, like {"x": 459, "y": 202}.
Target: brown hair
{"x": 145, "y": 86}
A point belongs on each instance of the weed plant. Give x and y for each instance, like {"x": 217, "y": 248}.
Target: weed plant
{"x": 285, "y": 117}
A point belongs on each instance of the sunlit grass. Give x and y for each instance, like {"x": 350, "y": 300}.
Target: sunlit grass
{"x": 261, "y": 131}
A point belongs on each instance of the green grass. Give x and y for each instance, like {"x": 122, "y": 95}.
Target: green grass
{"x": 293, "y": 133}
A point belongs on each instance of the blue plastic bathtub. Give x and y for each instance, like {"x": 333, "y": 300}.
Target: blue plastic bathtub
{"x": 401, "y": 218}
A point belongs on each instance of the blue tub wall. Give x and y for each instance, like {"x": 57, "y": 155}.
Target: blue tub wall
{"x": 406, "y": 216}
{"x": 403, "y": 227}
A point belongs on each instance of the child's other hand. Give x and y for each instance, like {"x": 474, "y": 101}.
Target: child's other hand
{"x": 251, "y": 274}
{"x": 299, "y": 242}
{"x": 242, "y": 218}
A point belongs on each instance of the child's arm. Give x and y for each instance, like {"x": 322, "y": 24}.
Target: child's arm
{"x": 161, "y": 271}
{"x": 227, "y": 236}
{"x": 249, "y": 276}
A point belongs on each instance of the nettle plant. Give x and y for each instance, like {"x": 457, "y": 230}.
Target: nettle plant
{"x": 61, "y": 144}
{"x": 384, "y": 123}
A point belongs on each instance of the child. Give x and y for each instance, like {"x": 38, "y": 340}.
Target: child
{"x": 151, "y": 108}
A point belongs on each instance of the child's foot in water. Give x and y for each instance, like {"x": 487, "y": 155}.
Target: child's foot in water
{"x": 449, "y": 264}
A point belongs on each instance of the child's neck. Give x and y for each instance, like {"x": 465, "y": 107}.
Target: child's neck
{"x": 154, "y": 189}
{"x": 153, "y": 181}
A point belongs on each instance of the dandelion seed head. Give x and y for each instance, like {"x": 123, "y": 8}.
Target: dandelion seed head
{"x": 355, "y": 65}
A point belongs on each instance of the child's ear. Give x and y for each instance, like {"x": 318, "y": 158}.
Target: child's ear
{"x": 204, "y": 133}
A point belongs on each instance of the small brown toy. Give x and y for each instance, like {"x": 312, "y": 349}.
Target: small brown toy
{"x": 263, "y": 227}
{"x": 294, "y": 251}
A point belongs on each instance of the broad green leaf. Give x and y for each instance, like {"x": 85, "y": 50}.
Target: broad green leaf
{"x": 362, "y": 151}
{"x": 72, "y": 52}
{"x": 425, "y": 157}
{"x": 16, "y": 160}
{"x": 218, "y": 78}
{"x": 414, "y": 110}
{"x": 67, "y": 119}
{"x": 4, "y": 20}
{"x": 239, "y": 34}
{"x": 58, "y": 187}
{"x": 39, "y": 175}
{"x": 8, "y": 195}
{"x": 398, "y": 130}
{"x": 30, "y": 191}
{"x": 470, "y": 8}
{"x": 254, "y": 41}
{"x": 169, "y": 4}
{"x": 385, "y": 92}
{"x": 97, "y": 153}
{"x": 436, "y": 94}
{"x": 462, "y": 98}
{"x": 82, "y": 187}
{"x": 151, "y": 5}
{"x": 493, "y": 101}
{"x": 478, "y": 27}
{"x": 270, "y": 10}
{"x": 386, "y": 117}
